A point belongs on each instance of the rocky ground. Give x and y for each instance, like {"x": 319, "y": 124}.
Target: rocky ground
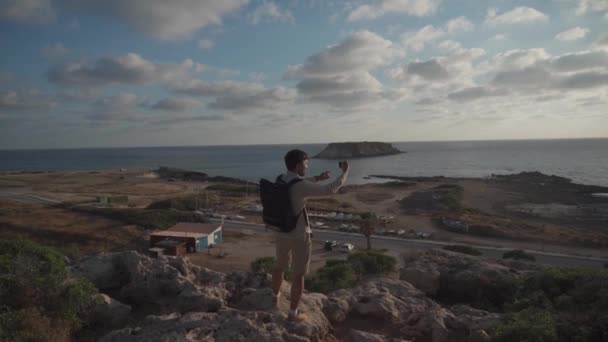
{"x": 170, "y": 299}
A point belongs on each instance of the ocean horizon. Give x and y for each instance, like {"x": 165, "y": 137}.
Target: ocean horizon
{"x": 582, "y": 160}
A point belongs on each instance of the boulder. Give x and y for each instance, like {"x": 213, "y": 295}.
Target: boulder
{"x": 110, "y": 312}
{"x": 225, "y": 325}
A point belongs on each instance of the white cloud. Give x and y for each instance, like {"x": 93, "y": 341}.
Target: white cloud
{"x": 18, "y": 100}
{"x": 591, "y": 5}
{"x": 27, "y": 10}
{"x": 519, "y": 14}
{"x": 418, "y": 8}
{"x": 459, "y": 24}
{"x": 602, "y": 41}
{"x": 454, "y": 69}
{"x": 363, "y": 50}
{"x": 340, "y": 77}
{"x": 54, "y": 51}
{"x": 500, "y": 36}
{"x": 427, "y": 35}
{"x": 269, "y": 12}
{"x": 418, "y": 40}
{"x": 474, "y": 93}
{"x": 206, "y": 44}
{"x": 235, "y": 95}
{"x": 257, "y": 76}
{"x": 176, "y": 104}
{"x": 572, "y": 34}
{"x": 449, "y": 45}
{"x": 128, "y": 69}
{"x": 178, "y": 19}
{"x": 121, "y": 107}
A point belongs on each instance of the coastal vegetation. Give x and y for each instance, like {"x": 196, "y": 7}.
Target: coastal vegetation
{"x": 39, "y": 300}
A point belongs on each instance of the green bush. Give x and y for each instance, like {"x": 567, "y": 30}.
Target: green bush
{"x": 518, "y": 254}
{"x": 463, "y": 249}
{"x": 528, "y": 325}
{"x": 267, "y": 265}
{"x": 38, "y": 299}
{"x": 336, "y": 274}
{"x": 368, "y": 263}
{"x": 558, "y": 304}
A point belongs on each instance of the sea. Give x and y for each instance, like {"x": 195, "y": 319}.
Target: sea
{"x": 584, "y": 161}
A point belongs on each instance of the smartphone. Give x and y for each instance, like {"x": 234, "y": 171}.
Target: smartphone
{"x": 340, "y": 164}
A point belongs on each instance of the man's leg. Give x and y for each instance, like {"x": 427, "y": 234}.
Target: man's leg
{"x": 301, "y": 251}
{"x": 297, "y": 287}
{"x": 283, "y": 252}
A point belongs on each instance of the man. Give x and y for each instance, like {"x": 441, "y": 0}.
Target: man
{"x": 297, "y": 243}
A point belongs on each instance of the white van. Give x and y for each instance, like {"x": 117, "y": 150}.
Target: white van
{"x": 347, "y": 248}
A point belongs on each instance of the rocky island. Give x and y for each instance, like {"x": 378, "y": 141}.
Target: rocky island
{"x": 357, "y": 150}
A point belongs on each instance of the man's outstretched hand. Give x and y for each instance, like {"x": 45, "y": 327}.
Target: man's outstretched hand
{"x": 323, "y": 176}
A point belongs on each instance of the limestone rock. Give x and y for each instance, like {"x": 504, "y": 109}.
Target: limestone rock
{"x": 110, "y": 312}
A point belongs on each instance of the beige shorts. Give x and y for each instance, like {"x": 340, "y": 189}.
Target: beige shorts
{"x": 299, "y": 251}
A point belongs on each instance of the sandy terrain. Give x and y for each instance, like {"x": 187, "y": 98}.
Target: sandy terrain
{"x": 496, "y": 209}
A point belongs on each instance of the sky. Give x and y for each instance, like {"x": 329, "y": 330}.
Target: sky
{"x": 89, "y": 73}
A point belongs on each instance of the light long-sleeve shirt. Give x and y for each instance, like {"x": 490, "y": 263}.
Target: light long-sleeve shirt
{"x": 300, "y": 193}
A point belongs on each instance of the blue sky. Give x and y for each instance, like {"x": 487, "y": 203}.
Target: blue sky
{"x": 86, "y": 73}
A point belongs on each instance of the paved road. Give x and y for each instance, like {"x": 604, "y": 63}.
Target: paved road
{"x": 394, "y": 245}
{"x": 399, "y": 245}
{"x": 28, "y": 198}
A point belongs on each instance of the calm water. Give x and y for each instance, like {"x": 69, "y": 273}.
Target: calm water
{"x": 583, "y": 160}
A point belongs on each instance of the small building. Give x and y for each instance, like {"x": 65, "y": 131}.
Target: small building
{"x": 186, "y": 237}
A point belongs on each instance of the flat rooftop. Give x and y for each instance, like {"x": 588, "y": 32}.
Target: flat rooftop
{"x": 189, "y": 230}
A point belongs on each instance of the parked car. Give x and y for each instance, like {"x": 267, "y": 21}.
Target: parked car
{"x": 347, "y": 247}
{"x": 330, "y": 244}
{"x": 401, "y": 232}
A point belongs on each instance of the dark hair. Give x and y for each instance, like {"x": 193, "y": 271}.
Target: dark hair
{"x": 293, "y": 157}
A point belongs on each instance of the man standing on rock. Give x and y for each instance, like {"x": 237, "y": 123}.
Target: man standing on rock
{"x": 298, "y": 242}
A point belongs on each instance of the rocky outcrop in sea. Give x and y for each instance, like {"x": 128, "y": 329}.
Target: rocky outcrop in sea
{"x": 364, "y": 149}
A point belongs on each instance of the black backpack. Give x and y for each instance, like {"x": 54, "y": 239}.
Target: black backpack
{"x": 276, "y": 203}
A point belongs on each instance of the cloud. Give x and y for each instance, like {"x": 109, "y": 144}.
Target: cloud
{"x": 449, "y": 45}
{"x": 442, "y": 71}
{"x": 602, "y": 41}
{"x": 206, "y": 44}
{"x": 417, "y": 40}
{"x": 157, "y": 18}
{"x": 363, "y": 50}
{"x": 459, "y": 24}
{"x": 235, "y": 95}
{"x": 430, "y": 70}
{"x": 572, "y": 34}
{"x": 128, "y": 69}
{"x": 267, "y": 99}
{"x": 37, "y": 11}
{"x": 340, "y": 76}
{"x": 519, "y": 14}
{"x": 580, "y": 61}
{"x": 19, "y": 100}
{"x": 269, "y": 12}
{"x": 54, "y": 51}
{"x": 535, "y": 71}
{"x": 176, "y": 104}
{"x": 418, "y": 8}
{"x": 121, "y": 107}
{"x": 591, "y": 5}
{"x": 474, "y": 93}
{"x": 500, "y": 36}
